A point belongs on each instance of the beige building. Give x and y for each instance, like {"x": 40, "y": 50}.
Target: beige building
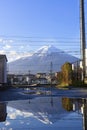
{"x": 3, "y": 69}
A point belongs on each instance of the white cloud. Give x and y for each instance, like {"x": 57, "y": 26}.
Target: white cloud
{"x": 13, "y": 51}
{"x": 14, "y": 55}
{"x": 10, "y": 41}
{"x": 7, "y": 47}
{"x": 3, "y": 40}
{"x": 11, "y": 55}
{"x": 7, "y": 123}
{"x": 22, "y": 47}
{"x": 14, "y": 113}
{"x": 7, "y": 41}
{"x": 2, "y": 52}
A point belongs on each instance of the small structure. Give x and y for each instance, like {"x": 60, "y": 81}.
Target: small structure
{"x": 41, "y": 75}
{"x": 41, "y": 78}
{"x": 3, "y": 69}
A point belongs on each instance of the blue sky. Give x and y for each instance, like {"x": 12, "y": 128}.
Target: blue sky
{"x": 24, "y": 23}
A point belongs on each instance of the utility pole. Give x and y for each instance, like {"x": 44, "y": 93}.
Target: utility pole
{"x": 84, "y": 114}
{"x": 82, "y": 38}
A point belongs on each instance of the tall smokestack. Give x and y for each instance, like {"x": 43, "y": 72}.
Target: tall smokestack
{"x": 82, "y": 38}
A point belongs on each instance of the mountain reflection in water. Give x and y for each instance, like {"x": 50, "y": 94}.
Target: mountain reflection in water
{"x": 45, "y": 113}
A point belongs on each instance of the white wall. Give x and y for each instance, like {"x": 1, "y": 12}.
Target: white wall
{"x": 86, "y": 60}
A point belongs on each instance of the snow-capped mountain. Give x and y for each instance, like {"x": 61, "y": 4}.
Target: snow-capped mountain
{"x": 47, "y": 50}
{"x": 42, "y": 61}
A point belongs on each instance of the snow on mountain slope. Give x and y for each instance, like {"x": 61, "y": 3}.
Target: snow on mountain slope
{"x": 47, "y": 50}
{"x": 41, "y": 60}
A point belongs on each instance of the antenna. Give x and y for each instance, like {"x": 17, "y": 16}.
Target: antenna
{"x": 51, "y": 70}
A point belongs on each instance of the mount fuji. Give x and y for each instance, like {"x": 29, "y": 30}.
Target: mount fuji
{"x": 41, "y": 61}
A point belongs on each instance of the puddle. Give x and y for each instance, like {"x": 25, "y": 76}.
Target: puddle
{"x": 44, "y": 113}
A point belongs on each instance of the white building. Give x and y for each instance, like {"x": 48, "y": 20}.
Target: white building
{"x": 81, "y": 66}
{"x": 3, "y": 69}
{"x": 86, "y": 60}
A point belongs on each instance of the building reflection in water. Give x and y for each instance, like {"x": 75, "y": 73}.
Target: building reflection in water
{"x": 84, "y": 112}
{"x": 3, "y": 111}
{"x": 79, "y": 105}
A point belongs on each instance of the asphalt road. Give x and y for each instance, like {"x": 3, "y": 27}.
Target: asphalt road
{"x": 19, "y": 94}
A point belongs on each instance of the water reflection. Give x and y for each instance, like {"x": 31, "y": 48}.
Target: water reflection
{"x": 79, "y": 105}
{"x": 84, "y": 112}
{"x": 67, "y": 103}
{"x": 45, "y": 113}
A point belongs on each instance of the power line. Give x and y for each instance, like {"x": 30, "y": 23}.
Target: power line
{"x": 40, "y": 41}
{"x": 34, "y": 37}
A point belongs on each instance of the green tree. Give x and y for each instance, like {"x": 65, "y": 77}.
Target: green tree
{"x": 59, "y": 77}
{"x": 66, "y": 74}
